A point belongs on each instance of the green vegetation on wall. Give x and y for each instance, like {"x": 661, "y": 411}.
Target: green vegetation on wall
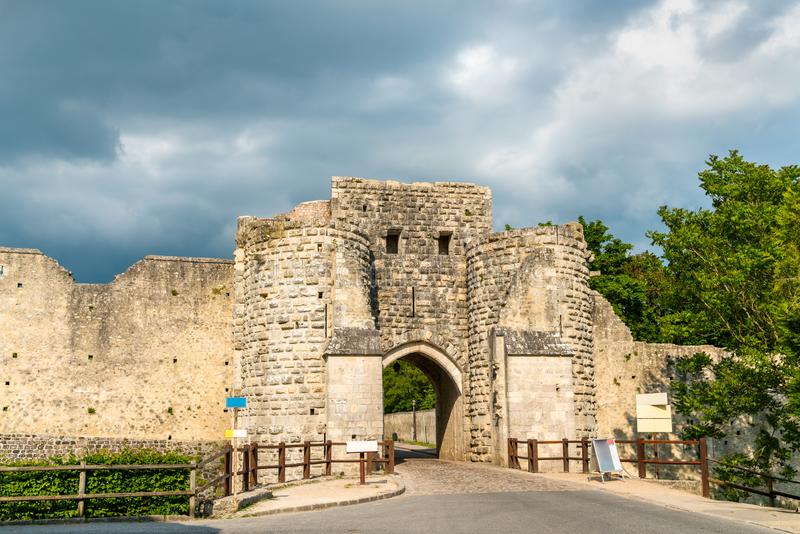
{"x": 66, "y": 483}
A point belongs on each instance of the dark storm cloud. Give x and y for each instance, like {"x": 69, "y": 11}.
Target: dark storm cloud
{"x": 129, "y": 128}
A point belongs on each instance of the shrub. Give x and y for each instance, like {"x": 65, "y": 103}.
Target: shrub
{"x": 66, "y": 483}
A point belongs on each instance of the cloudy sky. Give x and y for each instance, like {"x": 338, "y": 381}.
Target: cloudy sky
{"x": 131, "y": 128}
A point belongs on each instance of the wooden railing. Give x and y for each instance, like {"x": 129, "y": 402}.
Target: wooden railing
{"x": 81, "y": 497}
{"x": 250, "y": 462}
{"x": 641, "y": 458}
{"x": 248, "y": 469}
{"x": 533, "y": 458}
{"x": 769, "y": 481}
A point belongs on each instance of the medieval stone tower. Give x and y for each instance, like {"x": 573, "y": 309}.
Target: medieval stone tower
{"x": 330, "y": 293}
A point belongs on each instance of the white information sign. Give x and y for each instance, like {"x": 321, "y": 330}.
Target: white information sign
{"x": 605, "y": 451}
{"x": 653, "y": 413}
{"x": 362, "y": 446}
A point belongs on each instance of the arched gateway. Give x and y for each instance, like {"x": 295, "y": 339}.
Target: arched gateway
{"x": 332, "y": 292}
{"x": 447, "y": 379}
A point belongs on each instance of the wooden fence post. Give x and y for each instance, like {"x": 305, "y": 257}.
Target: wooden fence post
{"x": 193, "y": 489}
{"x": 513, "y": 463}
{"x": 328, "y": 457}
{"x": 585, "y": 454}
{"x": 228, "y": 470}
{"x": 245, "y": 467}
{"x": 530, "y": 456}
{"x": 565, "y": 453}
{"x": 704, "y": 467}
{"x": 306, "y": 459}
{"x": 390, "y": 453}
{"x": 82, "y": 489}
{"x": 370, "y": 462}
{"x": 640, "y": 458}
{"x": 282, "y": 462}
{"x": 534, "y": 458}
{"x": 254, "y": 465}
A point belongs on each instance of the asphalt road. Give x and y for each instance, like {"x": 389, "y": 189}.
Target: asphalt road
{"x": 568, "y": 512}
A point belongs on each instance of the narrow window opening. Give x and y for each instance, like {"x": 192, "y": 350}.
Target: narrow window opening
{"x": 13, "y": 354}
{"x": 2, "y": 270}
{"x": 413, "y": 302}
{"x": 311, "y": 411}
{"x": 393, "y": 241}
{"x": 319, "y": 247}
{"x": 319, "y": 295}
{"x": 444, "y": 244}
{"x": 19, "y": 284}
{"x": 226, "y": 363}
{"x": 91, "y": 356}
{"x": 364, "y": 207}
{"x": 174, "y": 360}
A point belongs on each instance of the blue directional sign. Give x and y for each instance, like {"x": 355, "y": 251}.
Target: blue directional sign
{"x": 236, "y": 402}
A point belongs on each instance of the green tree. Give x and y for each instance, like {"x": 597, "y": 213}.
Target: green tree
{"x": 404, "y": 382}
{"x": 733, "y": 273}
{"x": 632, "y": 284}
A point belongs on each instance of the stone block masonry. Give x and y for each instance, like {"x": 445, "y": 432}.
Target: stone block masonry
{"x": 315, "y": 303}
{"x": 147, "y": 357}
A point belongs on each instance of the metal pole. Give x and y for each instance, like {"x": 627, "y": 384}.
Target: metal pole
{"x": 414, "y": 420}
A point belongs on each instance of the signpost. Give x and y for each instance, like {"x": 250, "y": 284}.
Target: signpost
{"x": 361, "y": 447}
{"x": 235, "y": 404}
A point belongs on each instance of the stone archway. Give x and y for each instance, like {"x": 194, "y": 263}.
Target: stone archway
{"x": 447, "y": 379}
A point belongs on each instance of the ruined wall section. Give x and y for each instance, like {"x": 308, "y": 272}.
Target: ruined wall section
{"x": 625, "y": 368}
{"x": 559, "y": 302}
{"x": 417, "y": 292}
{"x": 145, "y": 357}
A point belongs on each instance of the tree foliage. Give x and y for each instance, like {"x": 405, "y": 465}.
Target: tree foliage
{"x": 404, "y": 382}
{"x": 728, "y": 276}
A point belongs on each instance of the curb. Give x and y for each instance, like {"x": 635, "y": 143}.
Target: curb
{"x": 322, "y": 506}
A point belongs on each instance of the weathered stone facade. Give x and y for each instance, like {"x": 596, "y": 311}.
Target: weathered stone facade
{"x": 314, "y": 305}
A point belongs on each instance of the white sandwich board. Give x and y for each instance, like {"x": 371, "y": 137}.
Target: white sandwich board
{"x": 605, "y": 451}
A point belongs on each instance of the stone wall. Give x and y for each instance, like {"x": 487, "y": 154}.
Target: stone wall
{"x": 402, "y": 423}
{"x": 625, "y": 368}
{"x": 145, "y": 357}
{"x": 418, "y": 289}
{"x": 16, "y": 447}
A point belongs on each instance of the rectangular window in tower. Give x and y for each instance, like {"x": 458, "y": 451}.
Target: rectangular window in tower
{"x": 393, "y": 241}
{"x": 444, "y": 243}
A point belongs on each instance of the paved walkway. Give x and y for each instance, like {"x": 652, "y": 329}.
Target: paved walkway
{"x": 425, "y": 475}
{"x": 326, "y": 493}
{"x": 655, "y": 493}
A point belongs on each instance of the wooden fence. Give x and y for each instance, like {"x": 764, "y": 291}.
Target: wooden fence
{"x": 250, "y": 465}
{"x": 641, "y": 459}
{"x": 81, "y": 497}
{"x": 248, "y": 469}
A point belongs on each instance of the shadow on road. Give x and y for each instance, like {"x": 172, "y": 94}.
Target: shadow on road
{"x": 403, "y": 452}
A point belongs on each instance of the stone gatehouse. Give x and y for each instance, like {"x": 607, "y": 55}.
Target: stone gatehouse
{"x": 315, "y": 303}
